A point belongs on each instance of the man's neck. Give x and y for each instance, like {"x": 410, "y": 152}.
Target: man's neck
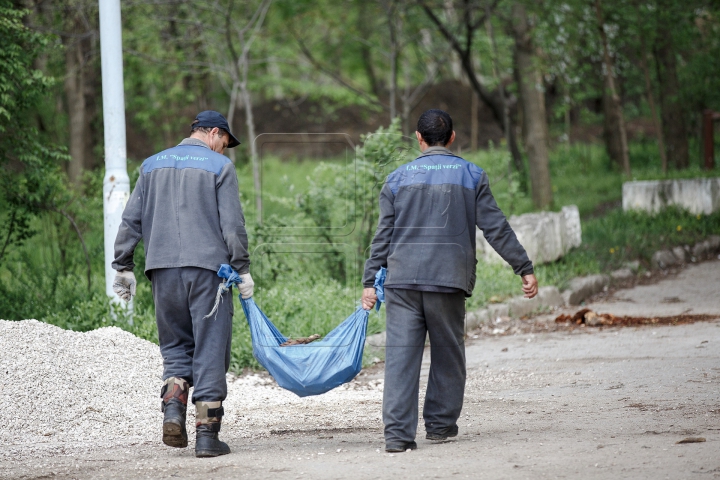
{"x": 194, "y": 141}
{"x": 435, "y": 150}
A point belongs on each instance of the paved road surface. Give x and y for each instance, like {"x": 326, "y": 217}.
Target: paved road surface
{"x": 581, "y": 404}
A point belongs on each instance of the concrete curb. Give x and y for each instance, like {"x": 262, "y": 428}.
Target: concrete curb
{"x": 664, "y": 259}
{"x": 584, "y": 287}
{"x": 580, "y": 288}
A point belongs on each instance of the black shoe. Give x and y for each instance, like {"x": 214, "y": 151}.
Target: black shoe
{"x": 400, "y": 447}
{"x": 174, "y": 432}
{"x": 442, "y": 434}
{"x": 207, "y": 443}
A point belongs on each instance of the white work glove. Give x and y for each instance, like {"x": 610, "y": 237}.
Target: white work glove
{"x": 125, "y": 284}
{"x": 246, "y": 287}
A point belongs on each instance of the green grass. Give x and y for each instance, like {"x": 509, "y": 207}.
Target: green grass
{"x": 305, "y": 293}
{"x": 609, "y": 242}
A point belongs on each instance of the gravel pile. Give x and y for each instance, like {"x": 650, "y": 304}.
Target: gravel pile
{"x": 65, "y": 392}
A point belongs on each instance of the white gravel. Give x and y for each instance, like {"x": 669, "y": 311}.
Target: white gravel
{"x": 65, "y": 392}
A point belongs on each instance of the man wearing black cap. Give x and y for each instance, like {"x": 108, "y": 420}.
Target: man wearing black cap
{"x": 186, "y": 208}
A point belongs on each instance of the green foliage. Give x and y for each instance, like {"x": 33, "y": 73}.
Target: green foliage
{"x": 609, "y": 242}
{"x": 320, "y": 217}
{"x": 20, "y": 84}
{"x": 30, "y": 180}
{"x": 307, "y": 274}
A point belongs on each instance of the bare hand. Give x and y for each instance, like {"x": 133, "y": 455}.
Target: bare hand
{"x": 530, "y": 285}
{"x": 368, "y": 298}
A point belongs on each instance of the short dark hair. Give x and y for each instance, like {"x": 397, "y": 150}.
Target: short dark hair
{"x": 435, "y": 126}
{"x": 194, "y": 128}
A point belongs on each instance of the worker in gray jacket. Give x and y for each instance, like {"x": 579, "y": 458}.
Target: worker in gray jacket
{"x": 426, "y": 239}
{"x": 186, "y": 208}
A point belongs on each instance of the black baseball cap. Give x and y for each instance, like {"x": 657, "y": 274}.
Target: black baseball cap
{"x": 211, "y": 119}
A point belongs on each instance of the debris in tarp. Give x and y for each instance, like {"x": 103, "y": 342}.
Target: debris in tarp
{"x": 593, "y": 319}
{"x": 300, "y": 341}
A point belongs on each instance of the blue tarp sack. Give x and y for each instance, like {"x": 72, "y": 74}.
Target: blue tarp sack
{"x": 307, "y": 369}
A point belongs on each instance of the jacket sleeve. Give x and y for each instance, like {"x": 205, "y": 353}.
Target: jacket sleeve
{"x": 383, "y": 236}
{"x": 497, "y": 231}
{"x": 232, "y": 220}
{"x": 130, "y": 231}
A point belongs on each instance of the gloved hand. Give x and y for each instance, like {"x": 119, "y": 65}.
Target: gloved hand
{"x": 246, "y": 287}
{"x": 124, "y": 285}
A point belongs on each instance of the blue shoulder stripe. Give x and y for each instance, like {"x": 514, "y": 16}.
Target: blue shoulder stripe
{"x": 435, "y": 170}
{"x": 186, "y": 156}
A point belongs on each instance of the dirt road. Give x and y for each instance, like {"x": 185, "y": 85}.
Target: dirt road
{"x": 591, "y": 403}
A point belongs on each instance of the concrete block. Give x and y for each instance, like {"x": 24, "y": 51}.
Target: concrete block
{"x": 476, "y": 319}
{"x": 714, "y": 242}
{"x": 680, "y": 254}
{"x": 697, "y": 195}
{"x": 583, "y": 287}
{"x": 622, "y": 274}
{"x": 546, "y": 236}
{"x": 520, "y": 306}
{"x": 633, "y": 265}
{"x": 547, "y": 297}
{"x": 701, "y": 250}
{"x": 707, "y": 248}
{"x": 664, "y": 259}
{"x": 498, "y": 310}
{"x": 550, "y": 297}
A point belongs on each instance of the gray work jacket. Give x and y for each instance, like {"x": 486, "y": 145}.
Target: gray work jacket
{"x": 186, "y": 208}
{"x": 426, "y": 232}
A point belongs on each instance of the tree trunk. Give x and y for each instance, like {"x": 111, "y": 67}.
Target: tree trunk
{"x": 673, "y": 125}
{"x": 363, "y": 25}
{"x": 615, "y": 132}
{"x": 474, "y": 124}
{"x": 241, "y": 66}
{"x": 534, "y": 120}
{"x": 79, "y": 121}
{"x": 405, "y": 109}
{"x": 394, "y": 53}
{"x": 231, "y": 115}
{"x": 250, "y": 123}
{"x": 504, "y": 114}
{"x": 498, "y": 105}
{"x": 651, "y": 101}
{"x": 456, "y": 66}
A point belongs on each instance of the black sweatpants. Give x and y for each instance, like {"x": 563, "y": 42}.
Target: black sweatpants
{"x": 410, "y": 314}
{"x": 194, "y": 348}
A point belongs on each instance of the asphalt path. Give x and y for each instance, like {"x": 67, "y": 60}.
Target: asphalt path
{"x": 587, "y": 403}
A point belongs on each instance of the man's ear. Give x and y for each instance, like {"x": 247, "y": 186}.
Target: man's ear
{"x": 452, "y": 139}
{"x": 418, "y": 136}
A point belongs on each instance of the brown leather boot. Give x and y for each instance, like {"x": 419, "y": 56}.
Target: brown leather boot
{"x": 208, "y": 416}
{"x": 174, "y": 395}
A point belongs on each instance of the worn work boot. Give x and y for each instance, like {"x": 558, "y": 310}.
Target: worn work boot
{"x": 400, "y": 447}
{"x": 443, "y": 433}
{"x": 174, "y": 395}
{"x": 208, "y": 416}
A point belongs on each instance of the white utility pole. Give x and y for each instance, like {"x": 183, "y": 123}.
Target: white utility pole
{"x": 116, "y": 183}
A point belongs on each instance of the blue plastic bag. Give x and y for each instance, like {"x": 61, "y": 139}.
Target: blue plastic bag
{"x": 380, "y": 287}
{"x": 309, "y": 369}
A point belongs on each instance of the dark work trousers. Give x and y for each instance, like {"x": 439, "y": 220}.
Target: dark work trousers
{"x": 194, "y": 348}
{"x": 410, "y": 314}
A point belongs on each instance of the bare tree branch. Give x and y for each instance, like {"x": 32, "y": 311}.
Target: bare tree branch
{"x": 306, "y": 52}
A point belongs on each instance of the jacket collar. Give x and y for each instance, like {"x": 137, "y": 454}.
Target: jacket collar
{"x": 437, "y": 150}
{"x": 194, "y": 142}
